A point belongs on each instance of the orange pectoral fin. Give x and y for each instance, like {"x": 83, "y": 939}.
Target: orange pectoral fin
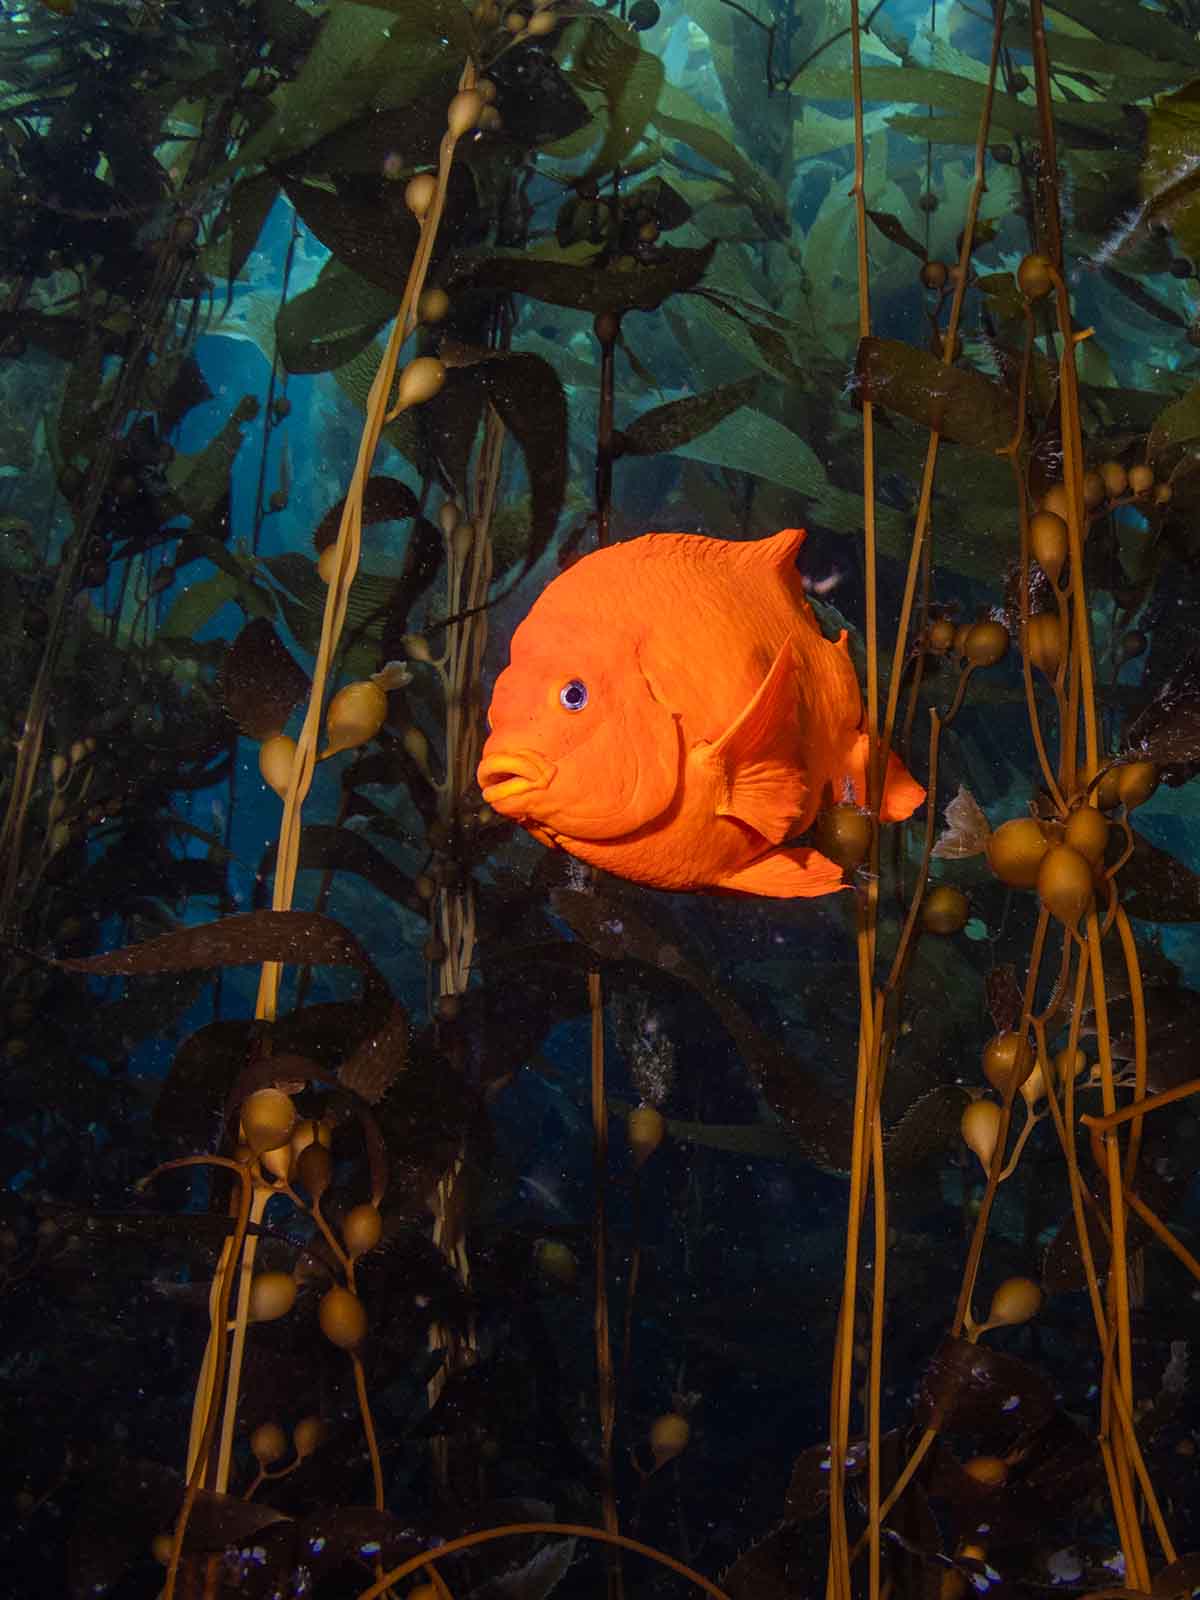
{"x": 756, "y": 759}
{"x": 786, "y": 875}
{"x": 902, "y": 794}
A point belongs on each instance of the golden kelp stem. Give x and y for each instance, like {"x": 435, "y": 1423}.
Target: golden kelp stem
{"x": 568, "y": 1530}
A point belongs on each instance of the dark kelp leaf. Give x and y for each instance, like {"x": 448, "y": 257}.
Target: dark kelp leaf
{"x": 787, "y": 1564}
{"x": 249, "y": 206}
{"x": 957, "y": 402}
{"x": 529, "y": 397}
{"x": 329, "y": 324}
{"x": 120, "y": 1500}
{"x": 260, "y": 681}
{"x": 1169, "y": 180}
{"x": 594, "y": 289}
{"x": 656, "y": 195}
{"x": 929, "y": 1127}
{"x": 298, "y": 938}
{"x": 1175, "y": 425}
{"x": 1157, "y": 887}
{"x": 1142, "y": 298}
{"x": 221, "y": 1519}
{"x": 892, "y": 228}
{"x": 808, "y": 1489}
{"x": 363, "y": 220}
{"x": 379, "y": 1060}
{"x": 665, "y": 428}
{"x": 205, "y": 1066}
{"x": 1167, "y": 732}
{"x": 1004, "y": 999}
{"x": 384, "y": 500}
{"x": 608, "y": 56}
{"x": 327, "y": 848}
{"x": 973, "y": 1388}
{"x": 1179, "y": 1581}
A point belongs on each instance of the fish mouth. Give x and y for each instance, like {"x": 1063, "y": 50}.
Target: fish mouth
{"x": 507, "y": 776}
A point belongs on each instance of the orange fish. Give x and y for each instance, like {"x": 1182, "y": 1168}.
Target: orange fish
{"x": 673, "y": 714}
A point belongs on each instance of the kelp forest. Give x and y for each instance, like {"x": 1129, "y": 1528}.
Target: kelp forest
{"x": 393, "y": 1205}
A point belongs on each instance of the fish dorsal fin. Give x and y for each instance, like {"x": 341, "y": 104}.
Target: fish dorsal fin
{"x": 756, "y": 761}
{"x": 779, "y": 550}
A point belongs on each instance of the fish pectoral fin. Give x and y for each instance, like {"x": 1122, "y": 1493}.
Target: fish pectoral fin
{"x": 902, "y": 794}
{"x": 756, "y": 759}
{"x": 786, "y": 875}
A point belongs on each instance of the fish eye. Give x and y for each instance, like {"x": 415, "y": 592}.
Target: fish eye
{"x": 574, "y": 695}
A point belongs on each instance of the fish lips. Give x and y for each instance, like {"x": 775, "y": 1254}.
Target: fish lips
{"x": 508, "y": 777}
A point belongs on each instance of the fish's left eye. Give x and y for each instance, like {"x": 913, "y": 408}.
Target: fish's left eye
{"x": 574, "y": 695}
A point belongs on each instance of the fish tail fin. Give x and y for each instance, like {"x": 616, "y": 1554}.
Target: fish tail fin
{"x": 902, "y": 794}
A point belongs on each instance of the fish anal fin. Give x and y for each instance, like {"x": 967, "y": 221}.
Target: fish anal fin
{"x": 902, "y": 794}
{"x": 786, "y": 875}
{"x": 759, "y": 779}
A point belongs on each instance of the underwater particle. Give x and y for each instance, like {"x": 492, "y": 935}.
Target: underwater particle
{"x": 362, "y": 1229}
{"x": 986, "y": 643}
{"x": 1141, "y": 478}
{"x": 275, "y": 759}
{"x": 1007, "y": 1061}
{"x": 555, "y": 1261}
{"x": 941, "y": 635}
{"x": 944, "y": 910}
{"x": 272, "y": 1295}
{"x": 268, "y": 1443}
{"x": 989, "y": 1471}
{"x": 355, "y": 715}
{"x": 1017, "y": 1300}
{"x": 1064, "y": 883}
{"x": 843, "y": 834}
{"x": 933, "y": 275}
{"x": 1035, "y": 277}
{"x": 1015, "y": 850}
{"x": 646, "y": 1127}
{"x": 162, "y": 1548}
{"x": 1136, "y": 782}
{"x": 433, "y": 305}
{"x": 343, "y": 1318}
{"x": 420, "y": 381}
{"x": 419, "y": 193}
{"x": 1087, "y": 832}
{"x": 1043, "y": 642}
{"x": 268, "y": 1117}
{"x": 669, "y": 1435}
{"x": 980, "y": 1129}
{"x": 314, "y": 1170}
{"x": 1049, "y": 543}
{"x": 463, "y": 111}
{"x": 1116, "y": 479}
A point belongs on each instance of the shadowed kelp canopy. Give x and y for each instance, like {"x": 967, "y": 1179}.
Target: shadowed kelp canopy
{"x": 390, "y": 1200}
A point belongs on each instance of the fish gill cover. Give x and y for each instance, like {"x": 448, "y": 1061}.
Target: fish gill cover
{"x": 394, "y": 1203}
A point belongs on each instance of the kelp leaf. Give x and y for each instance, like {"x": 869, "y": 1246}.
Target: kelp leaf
{"x": 972, "y": 1388}
{"x": 1176, "y": 424}
{"x": 670, "y": 209}
{"x": 668, "y": 427}
{"x": 892, "y": 228}
{"x": 379, "y": 1060}
{"x": 1169, "y": 180}
{"x": 327, "y": 848}
{"x": 682, "y": 118}
{"x": 1115, "y": 24}
{"x": 384, "y": 499}
{"x": 808, "y": 1488}
{"x": 297, "y": 938}
{"x": 527, "y": 393}
{"x": 260, "y": 681}
{"x": 1157, "y": 887}
{"x": 954, "y": 401}
{"x": 594, "y": 289}
{"x": 1142, "y": 298}
{"x": 1167, "y": 732}
{"x": 609, "y": 57}
{"x": 327, "y": 325}
{"x": 929, "y": 1127}
{"x": 249, "y": 207}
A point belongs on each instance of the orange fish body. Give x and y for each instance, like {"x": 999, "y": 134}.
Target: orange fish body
{"x": 672, "y": 713}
